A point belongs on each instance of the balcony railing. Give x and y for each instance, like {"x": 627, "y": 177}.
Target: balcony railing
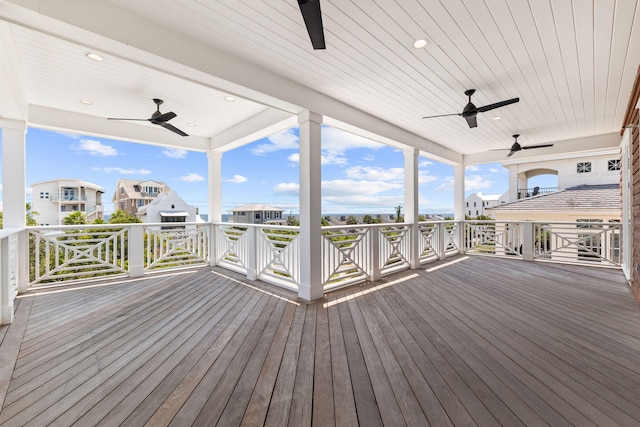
{"x": 271, "y": 253}
{"x": 535, "y": 191}
{"x": 68, "y": 198}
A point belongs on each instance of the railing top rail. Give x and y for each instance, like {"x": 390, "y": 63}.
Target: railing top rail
{"x": 6, "y": 232}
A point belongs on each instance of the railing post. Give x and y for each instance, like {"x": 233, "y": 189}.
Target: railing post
{"x": 441, "y": 247}
{"x": 136, "y": 250}
{"x": 252, "y": 253}
{"x": 374, "y": 274}
{"x": 6, "y": 297}
{"x": 213, "y": 244}
{"x": 528, "y": 241}
{"x": 23, "y": 261}
{"x": 458, "y": 236}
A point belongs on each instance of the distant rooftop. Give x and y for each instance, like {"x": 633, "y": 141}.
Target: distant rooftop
{"x": 255, "y": 207}
{"x": 582, "y": 197}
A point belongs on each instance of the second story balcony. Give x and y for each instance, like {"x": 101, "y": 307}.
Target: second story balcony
{"x": 535, "y": 191}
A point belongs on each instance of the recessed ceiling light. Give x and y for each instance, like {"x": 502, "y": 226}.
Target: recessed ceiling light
{"x": 85, "y": 102}
{"x": 229, "y": 98}
{"x": 420, "y": 43}
{"x": 94, "y": 57}
{"x": 191, "y": 124}
{"x": 497, "y": 118}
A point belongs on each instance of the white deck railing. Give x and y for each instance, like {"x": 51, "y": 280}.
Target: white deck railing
{"x": 349, "y": 254}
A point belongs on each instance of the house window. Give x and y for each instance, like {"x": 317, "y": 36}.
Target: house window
{"x": 121, "y": 190}
{"x": 122, "y": 205}
{"x": 140, "y": 202}
{"x": 474, "y": 204}
{"x": 613, "y": 165}
{"x": 44, "y": 195}
{"x": 584, "y": 167}
{"x": 467, "y": 204}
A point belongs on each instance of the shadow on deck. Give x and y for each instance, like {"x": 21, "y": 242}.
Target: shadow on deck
{"x": 470, "y": 340}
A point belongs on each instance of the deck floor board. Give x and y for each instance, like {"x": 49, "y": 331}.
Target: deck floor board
{"x": 463, "y": 341}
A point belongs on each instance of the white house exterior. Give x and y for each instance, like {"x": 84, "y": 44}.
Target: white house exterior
{"x": 602, "y": 167}
{"x": 256, "y": 213}
{"x": 476, "y": 203}
{"x": 169, "y": 208}
{"x": 57, "y": 198}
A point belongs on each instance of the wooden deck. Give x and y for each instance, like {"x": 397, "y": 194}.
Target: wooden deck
{"x": 471, "y": 340}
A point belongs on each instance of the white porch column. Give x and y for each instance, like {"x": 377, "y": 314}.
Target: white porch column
{"x": 411, "y": 204}
{"x": 458, "y": 204}
{"x": 14, "y": 199}
{"x": 214, "y": 159}
{"x": 513, "y": 183}
{"x": 310, "y": 207}
{"x": 14, "y": 176}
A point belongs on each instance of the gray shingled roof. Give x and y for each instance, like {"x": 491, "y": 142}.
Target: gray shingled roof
{"x": 582, "y": 197}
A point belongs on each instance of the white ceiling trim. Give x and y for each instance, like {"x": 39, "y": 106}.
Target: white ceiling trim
{"x": 12, "y": 102}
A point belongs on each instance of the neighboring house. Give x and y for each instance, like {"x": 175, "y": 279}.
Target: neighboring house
{"x": 584, "y": 202}
{"x": 256, "y": 213}
{"x": 133, "y": 194}
{"x": 476, "y": 203}
{"x": 593, "y": 206}
{"x": 167, "y": 208}
{"x": 57, "y": 198}
{"x": 581, "y": 169}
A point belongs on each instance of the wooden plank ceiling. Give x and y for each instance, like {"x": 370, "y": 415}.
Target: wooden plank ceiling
{"x": 572, "y": 63}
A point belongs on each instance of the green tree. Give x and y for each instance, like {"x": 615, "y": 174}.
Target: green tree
{"x": 378, "y": 219}
{"x": 422, "y": 218}
{"x": 98, "y": 221}
{"x": 367, "y": 219}
{"x": 75, "y": 218}
{"x": 122, "y": 217}
{"x": 351, "y": 220}
{"x": 398, "y": 213}
{"x": 30, "y": 215}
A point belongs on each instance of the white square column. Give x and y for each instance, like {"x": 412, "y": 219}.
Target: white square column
{"x": 411, "y": 200}
{"x": 14, "y": 200}
{"x": 214, "y": 165}
{"x": 14, "y": 175}
{"x": 458, "y": 204}
{"x": 311, "y": 259}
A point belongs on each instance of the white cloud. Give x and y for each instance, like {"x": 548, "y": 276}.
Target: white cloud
{"x": 476, "y": 182}
{"x": 94, "y": 148}
{"x": 191, "y": 177}
{"x": 285, "y": 140}
{"x": 369, "y": 158}
{"x": 295, "y": 158}
{"x": 471, "y": 182}
{"x": 325, "y": 159}
{"x": 472, "y": 168}
{"x": 424, "y": 178}
{"x": 237, "y": 179}
{"x": 375, "y": 173}
{"x": 287, "y": 188}
{"x": 353, "y": 188}
{"x": 424, "y": 163}
{"x": 28, "y": 191}
{"x": 175, "y": 153}
{"x": 122, "y": 171}
{"x": 338, "y": 141}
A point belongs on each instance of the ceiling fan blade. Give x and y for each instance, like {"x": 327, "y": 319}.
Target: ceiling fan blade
{"x": 442, "y": 115}
{"x": 537, "y": 146}
{"x": 118, "y": 118}
{"x": 471, "y": 121}
{"x": 172, "y": 128}
{"x": 510, "y": 153}
{"x": 312, "y": 16}
{"x": 164, "y": 117}
{"x": 497, "y": 105}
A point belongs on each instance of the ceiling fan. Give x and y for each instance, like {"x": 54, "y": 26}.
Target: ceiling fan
{"x": 158, "y": 118}
{"x": 470, "y": 111}
{"x": 517, "y": 147}
{"x": 312, "y": 16}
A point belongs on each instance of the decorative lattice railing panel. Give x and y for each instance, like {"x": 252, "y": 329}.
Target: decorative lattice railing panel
{"x": 346, "y": 256}
{"x": 178, "y": 247}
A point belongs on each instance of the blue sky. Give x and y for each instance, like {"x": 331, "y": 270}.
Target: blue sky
{"x": 358, "y": 175}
